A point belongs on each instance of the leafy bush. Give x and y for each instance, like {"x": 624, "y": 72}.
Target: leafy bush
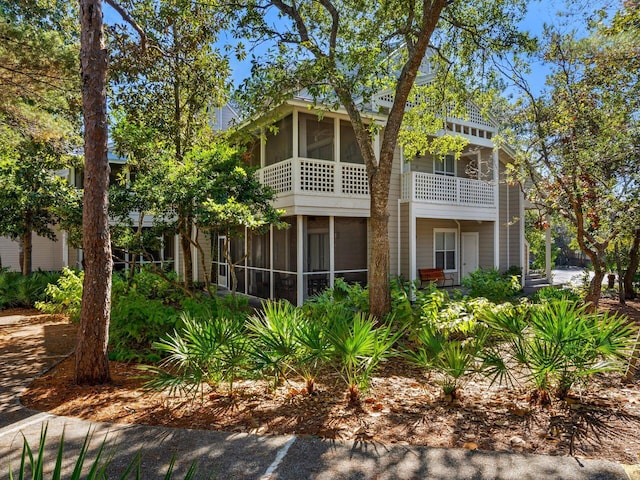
{"x": 65, "y": 296}
{"x": 358, "y": 346}
{"x": 153, "y": 286}
{"x": 547, "y": 294}
{"x": 556, "y": 345}
{"x": 17, "y": 290}
{"x": 492, "y": 285}
{"x": 204, "y": 352}
{"x": 137, "y": 322}
{"x": 350, "y": 296}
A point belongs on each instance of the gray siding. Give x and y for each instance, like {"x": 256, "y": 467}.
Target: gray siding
{"x": 509, "y": 223}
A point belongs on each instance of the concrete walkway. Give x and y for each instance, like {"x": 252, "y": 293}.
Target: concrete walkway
{"x": 240, "y": 456}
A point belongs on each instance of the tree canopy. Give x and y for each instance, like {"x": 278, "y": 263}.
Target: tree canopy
{"x": 579, "y": 140}
{"x": 344, "y": 53}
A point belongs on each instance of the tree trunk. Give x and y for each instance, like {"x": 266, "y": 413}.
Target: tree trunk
{"x": 379, "y": 263}
{"x": 595, "y": 289}
{"x": 92, "y": 364}
{"x": 632, "y": 268}
{"x": 27, "y": 246}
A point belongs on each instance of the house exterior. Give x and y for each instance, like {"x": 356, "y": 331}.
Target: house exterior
{"x": 458, "y": 215}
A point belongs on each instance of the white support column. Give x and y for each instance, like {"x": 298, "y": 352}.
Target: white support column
{"x": 413, "y": 267}
{"x": 295, "y": 170}
{"x": 65, "y": 249}
{"x": 399, "y": 240}
{"x": 300, "y": 258}
{"x": 496, "y": 200}
{"x": 332, "y": 249}
{"x": 271, "y": 274}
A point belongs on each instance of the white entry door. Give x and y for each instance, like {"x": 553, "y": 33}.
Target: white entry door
{"x": 470, "y": 252}
{"x": 223, "y": 268}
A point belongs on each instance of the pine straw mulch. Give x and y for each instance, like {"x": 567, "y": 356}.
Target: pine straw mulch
{"x": 402, "y": 407}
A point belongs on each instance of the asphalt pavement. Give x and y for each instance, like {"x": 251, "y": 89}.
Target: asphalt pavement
{"x": 222, "y": 456}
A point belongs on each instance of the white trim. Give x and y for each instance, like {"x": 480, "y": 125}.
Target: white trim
{"x": 455, "y": 247}
{"x": 300, "y": 230}
{"x": 332, "y": 252}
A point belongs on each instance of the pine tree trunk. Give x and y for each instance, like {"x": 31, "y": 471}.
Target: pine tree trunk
{"x": 92, "y": 364}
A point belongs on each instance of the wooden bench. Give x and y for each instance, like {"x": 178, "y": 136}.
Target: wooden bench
{"x": 434, "y": 275}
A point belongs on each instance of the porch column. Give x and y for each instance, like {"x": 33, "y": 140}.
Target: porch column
{"x": 300, "y": 258}
{"x": 413, "y": 268}
{"x": 271, "y": 274}
{"x": 496, "y": 202}
{"x": 295, "y": 167}
{"x": 65, "y": 249}
{"x": 332, "y": 250}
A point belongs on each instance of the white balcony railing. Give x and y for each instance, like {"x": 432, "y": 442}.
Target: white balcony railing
{"x": 308, "y": 176}
{"x": 430, "y": 188}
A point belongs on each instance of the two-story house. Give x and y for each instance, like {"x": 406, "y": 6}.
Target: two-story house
{"x": 458, "y": 215}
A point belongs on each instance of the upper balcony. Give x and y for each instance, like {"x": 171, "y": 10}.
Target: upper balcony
{"x": 440, "y": 189}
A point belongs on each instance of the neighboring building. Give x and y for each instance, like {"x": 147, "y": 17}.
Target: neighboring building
{"x": 53, "y": 255}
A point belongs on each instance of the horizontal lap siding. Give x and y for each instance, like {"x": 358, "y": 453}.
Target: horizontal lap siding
{"x": 485, "y": 239}
{"x": 404, "y": 241}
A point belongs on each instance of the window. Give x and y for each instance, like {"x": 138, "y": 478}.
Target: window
{"x": 445, "y": 249}
{"x": 445, "y": 165}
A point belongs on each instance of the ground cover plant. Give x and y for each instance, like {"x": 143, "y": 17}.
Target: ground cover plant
{"x": 328, "y": 360}
{"x": 17, "y": 290}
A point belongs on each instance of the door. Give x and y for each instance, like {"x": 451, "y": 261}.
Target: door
{"x": 223, "y": 268}
{"x": 470, "y": 252}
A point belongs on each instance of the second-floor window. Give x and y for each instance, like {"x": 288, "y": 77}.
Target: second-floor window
{"x": 445, "y": 249}
{"x": 445, "y": 165}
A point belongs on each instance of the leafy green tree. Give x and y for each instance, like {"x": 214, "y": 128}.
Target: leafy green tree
{"x": 233, "y": 201}
{"x": 33, "y": 198}
{"x": 579, "y": 140}
{"x": 343, "y": 53}
{"x": 167, "y": 89}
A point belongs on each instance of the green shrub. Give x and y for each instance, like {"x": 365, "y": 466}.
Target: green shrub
{"x": 203, "y": 352}
{"x": 357, "y": 348}
{"x": 65, "y": 296}
{"x": 547, "y": 294}
{"x": 153, "y": 286}
{"x": 19, "y": 291}
{"x": 556, "y": 345}
{"x": 492, "y": 285}
{"x": 136, "y": 323}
